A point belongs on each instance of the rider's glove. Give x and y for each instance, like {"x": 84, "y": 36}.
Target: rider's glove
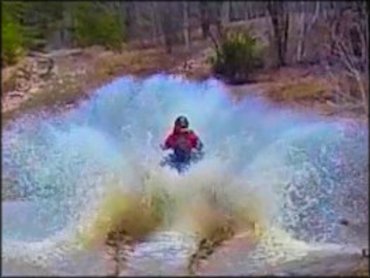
{"x": 199, "y": 146}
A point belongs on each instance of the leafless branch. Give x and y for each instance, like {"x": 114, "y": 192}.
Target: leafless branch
{"x": 355, "y": 65}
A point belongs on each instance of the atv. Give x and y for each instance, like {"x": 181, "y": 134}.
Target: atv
{"x": 181, "y": 161}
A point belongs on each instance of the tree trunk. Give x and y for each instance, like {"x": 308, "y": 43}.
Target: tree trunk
{"x": 285, "y": 38}
{"x": 225, "y": 12}
{"x": 155, "y": 25}
{"x": 280, "y": 25}
{"x": 186, "y": 27}
{"x": 246, "y": 6}
{"x": 130, "y": 15}
{"x": 305, "y": 27}
{"x": 167, "y": 24}
{"x": 300, "y": 43}
{"x": 63, "y": 29}
{"x": 204, "y": 19}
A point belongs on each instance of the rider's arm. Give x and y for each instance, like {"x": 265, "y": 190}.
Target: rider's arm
{"x": 169, "y": 142}
{"x": 199, "y": 145}
{"x": 196, "y": 142}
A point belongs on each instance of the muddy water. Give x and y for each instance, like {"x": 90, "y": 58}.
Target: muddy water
{"x": 168, "y": 252}
{"x": 170, "y": 258}
{"x": 238, "y": 260}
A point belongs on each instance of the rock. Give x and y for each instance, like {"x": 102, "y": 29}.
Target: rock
{"x": 16, "y": 94}
{"x": 344, "y": 222}
{"x": 34, "y": 89}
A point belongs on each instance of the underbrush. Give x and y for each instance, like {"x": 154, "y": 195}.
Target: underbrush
{"x": 237, "y": 56}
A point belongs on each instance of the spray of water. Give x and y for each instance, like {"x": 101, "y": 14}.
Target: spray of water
{"x": 292, "y": 175}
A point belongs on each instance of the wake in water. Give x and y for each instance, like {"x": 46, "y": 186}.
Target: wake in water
{"x": 80, "y": 173}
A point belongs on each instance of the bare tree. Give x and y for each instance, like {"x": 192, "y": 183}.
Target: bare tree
{"x": 306, "y": 22}
{"x": 186, "y": 27}
{"x": 130, "y": 16}
{"x": 167, "y": 22}
{"x": 247, "y": 9}
{"x": 350, "y": 56}
{"x": 204, "y": 18}
{"x": 280, "y": 23}
{"x": 225, "y": 12}
{"x": 155, "y": 22}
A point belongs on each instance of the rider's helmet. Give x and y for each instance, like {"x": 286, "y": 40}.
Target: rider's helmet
{"x": 181, "y": 122}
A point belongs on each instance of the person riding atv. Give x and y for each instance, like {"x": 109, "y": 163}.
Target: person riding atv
{"x": 183, "y": 141}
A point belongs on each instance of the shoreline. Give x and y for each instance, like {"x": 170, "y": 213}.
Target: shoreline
{"x": 76, "y": 76}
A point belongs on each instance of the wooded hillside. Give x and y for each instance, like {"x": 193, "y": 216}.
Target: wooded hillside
{"x": 32, "y": 25}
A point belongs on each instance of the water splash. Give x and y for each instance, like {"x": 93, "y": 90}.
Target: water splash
{"x": 297, "y": 172}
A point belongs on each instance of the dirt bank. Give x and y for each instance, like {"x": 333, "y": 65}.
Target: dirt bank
{"x": 62, "y": 78}
{"x": 74, "y": 74}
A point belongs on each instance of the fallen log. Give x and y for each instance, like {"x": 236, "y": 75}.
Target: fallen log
{"x": 56, "y": 53}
